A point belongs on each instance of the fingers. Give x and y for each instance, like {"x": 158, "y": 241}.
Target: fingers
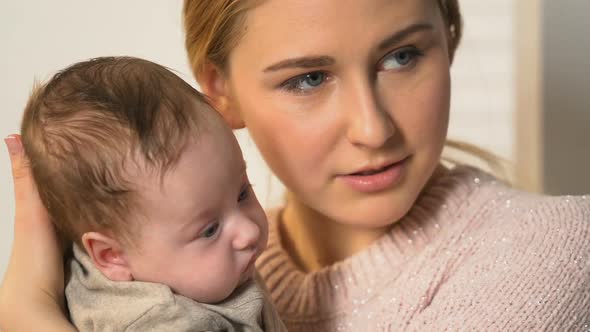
{"x": 33, "y": 230}
{"x": 36, "y": 255}
{"x": 20, "y": 168}
{"x": 17, "y": 156}
{"x": 34, "y": 276}
{"x": 28, "y": 204}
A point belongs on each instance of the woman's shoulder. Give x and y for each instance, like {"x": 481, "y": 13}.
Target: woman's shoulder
{"x": 536, "y": 229}
{"x": 482, "y": 191}
{"x": 513, "y": 209}
{"x": 527, "y": 253}
{"x": 552, "y": 226}
{"x": 499, "y": 206}
{"x": 525, "y": 227}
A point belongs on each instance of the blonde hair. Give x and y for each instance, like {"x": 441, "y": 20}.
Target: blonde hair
{"x": 213, "y": 28}
{"x": 82, "y": 127}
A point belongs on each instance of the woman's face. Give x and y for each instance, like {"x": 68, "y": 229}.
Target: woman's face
{"x": 347, "y": 100}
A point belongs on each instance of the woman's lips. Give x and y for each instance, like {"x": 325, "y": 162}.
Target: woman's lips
{"x": 371, "y": 181}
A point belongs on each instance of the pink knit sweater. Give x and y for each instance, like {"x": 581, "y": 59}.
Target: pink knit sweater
{"x": 473, "y": 254}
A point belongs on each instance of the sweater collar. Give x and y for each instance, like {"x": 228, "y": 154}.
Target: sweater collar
{"x": 300, "y": 295}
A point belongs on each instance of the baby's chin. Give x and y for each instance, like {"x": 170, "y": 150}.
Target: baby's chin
{"x": 247, "y": 276}
{"x": 218, "y": 294}
{"x": 248, "y": 273}
{"x": 213, "y": 296}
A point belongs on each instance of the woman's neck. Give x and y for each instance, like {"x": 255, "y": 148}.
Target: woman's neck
{"x": 315, "y": 241}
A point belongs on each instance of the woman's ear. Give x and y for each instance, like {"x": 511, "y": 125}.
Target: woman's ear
{"x": 215, "y": 86}
{"x": 108, "y": 256}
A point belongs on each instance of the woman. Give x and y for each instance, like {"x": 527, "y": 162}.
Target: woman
{"x": 348, "y": 102}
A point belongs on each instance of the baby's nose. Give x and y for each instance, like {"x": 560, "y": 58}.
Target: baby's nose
{"x": 247, "y": 235}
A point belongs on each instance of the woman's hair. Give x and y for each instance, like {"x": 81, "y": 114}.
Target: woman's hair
{"x": 212, "y": 29}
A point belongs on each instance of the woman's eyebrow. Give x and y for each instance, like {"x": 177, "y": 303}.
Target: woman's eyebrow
{"x": 322, "y": 61}
{"x": 403, "y": 34}
{"x": 301, "y": 62}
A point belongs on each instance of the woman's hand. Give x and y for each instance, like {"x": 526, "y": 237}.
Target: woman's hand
{"x": 32, "y": 293}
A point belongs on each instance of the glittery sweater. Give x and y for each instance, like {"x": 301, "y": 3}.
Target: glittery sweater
{"x": 472, "y": 254}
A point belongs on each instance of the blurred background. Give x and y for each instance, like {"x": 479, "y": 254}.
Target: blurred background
{"x": 521, "y": 84}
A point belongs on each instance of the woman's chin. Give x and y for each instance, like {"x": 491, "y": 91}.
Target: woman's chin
{"x": 374, "y": 219}
{"x": 374, "y": 212}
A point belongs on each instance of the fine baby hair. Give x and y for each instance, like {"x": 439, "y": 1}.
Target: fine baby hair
{"x": 91, "y": 125}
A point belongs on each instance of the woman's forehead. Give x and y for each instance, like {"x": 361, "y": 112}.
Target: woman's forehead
{"x": 303, "y": 15}
{"x": 276, "y": 29}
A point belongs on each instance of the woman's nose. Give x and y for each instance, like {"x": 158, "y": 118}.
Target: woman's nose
{"x": 369, "y": 124}
{"x": 247, "y": 233}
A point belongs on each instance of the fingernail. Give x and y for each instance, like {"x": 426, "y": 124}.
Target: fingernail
{"x": 13, "y": 144}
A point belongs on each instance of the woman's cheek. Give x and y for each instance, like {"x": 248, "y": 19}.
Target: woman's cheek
{"x": 427, "y": 115}
{"x": 292, "y": 137}
{"x": 279, "y": 141}
{"x": 436, "y": 105}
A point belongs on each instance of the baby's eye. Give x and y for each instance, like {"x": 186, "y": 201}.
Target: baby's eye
{"x": 245, "y": 192}
{"x": 401, "y": 58}
{"x": 210, "y": 231}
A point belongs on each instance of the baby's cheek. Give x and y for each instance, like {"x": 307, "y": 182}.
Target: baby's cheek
{"x": 218, "y": 276}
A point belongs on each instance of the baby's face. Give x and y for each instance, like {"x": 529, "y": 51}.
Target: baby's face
{"x": 202, "y": 228}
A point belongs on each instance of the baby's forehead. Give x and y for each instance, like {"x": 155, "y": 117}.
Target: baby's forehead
{"x": 203, "y": 179}
{"x": 212, "y": 150}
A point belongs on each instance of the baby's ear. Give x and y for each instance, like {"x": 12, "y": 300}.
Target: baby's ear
{"x": 108, "y": 256}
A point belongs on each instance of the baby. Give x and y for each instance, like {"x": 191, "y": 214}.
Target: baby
{"x": 143, "y": 176}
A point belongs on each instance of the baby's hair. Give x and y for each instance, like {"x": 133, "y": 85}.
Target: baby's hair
{"x": 88, "y": 129}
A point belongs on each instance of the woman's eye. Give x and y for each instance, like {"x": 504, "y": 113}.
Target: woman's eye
{"x": 305, "y": 82}
{"x": 210, "y": 231}
{"x": 244, "y": 193}
{"x": 404, "y": 57}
